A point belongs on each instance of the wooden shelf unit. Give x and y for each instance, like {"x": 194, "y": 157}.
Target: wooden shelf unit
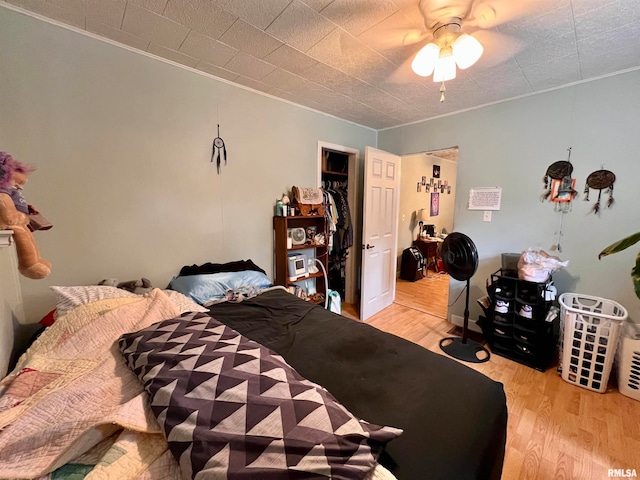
{"x": 281, "y": 226}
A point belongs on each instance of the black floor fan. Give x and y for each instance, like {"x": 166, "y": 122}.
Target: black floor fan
{"x": 460, "y": 258}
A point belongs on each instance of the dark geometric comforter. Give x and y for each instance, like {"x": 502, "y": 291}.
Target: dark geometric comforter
{"x": 454, "y": 419}
{"x": 230, "y": 408}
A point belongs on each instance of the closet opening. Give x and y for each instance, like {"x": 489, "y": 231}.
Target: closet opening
{"x": 338, "y": 177}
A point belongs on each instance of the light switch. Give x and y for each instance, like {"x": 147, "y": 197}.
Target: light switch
{"x": 487, "y": 216}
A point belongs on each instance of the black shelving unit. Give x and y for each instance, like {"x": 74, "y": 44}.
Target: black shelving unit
{"x": 514, "y": 333}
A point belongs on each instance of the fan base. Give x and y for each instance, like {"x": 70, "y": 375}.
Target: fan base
{"x": 467, "y": 351}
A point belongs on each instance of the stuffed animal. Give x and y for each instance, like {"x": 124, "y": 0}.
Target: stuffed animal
{"x": 14, "y": 215}
{"x": 139, "y": 287}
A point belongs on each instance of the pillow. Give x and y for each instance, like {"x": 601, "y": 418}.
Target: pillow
{"x": 68, "y": 298}
{"x": 207, "y": 288}
{"x": 231, "y": 408}
{"x": 209, "y": 267}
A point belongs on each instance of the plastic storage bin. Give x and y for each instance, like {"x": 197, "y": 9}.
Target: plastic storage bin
{"x": 628, "y": 364}
{"x": 591, "y": 330}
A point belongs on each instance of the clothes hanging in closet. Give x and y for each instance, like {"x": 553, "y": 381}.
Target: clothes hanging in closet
{"x": 342, "y": 236}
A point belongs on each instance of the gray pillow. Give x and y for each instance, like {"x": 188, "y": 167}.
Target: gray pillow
{"x": 68, "y": 298}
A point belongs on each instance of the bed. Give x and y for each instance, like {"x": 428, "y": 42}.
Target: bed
{"x": 124, "y": 386}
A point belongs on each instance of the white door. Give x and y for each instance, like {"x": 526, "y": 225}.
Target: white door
{"x": 379, "y": 231}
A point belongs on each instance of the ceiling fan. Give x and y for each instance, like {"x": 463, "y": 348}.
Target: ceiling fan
{"x": 450, "y": 46}
{"x": 456, "y": 32}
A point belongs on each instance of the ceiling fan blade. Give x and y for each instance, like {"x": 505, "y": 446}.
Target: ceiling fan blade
{"x": 405, "y": 55}
{"x": 491, "y": 13}
{"x": 440, "y": 11}
{"x": 498, "y": 46}
{"x": 394, "y": 38}
{"x": 415, "y": 36}
{"x": 394, "y": 34}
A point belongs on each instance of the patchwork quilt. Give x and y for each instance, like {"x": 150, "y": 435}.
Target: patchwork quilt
{"x": 67, "y": 402}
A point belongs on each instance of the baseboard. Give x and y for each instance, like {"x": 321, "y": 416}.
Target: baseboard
{"x": 459, "y": 321}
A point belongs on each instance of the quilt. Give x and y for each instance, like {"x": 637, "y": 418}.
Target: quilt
{"x": 73, "y": 410}
{"x": 71, "y": 391}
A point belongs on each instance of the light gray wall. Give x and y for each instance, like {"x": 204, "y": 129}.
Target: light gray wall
{"x": 510, "y": 145}
{"x": 122, "y": 145}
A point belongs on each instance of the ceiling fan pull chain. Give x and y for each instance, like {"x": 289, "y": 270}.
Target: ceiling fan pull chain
{"x": 442, "y": 90}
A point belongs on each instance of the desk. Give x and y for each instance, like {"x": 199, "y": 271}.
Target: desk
{"x": 429, "y": 250}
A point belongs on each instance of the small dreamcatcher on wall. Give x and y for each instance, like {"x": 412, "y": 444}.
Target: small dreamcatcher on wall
{"x": 600, "y": 180}
{"x": 559, "y": 185}
{"x": 219, "y": 152}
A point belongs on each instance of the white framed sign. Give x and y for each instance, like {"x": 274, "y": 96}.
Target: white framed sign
{"x": 485, "y": 198}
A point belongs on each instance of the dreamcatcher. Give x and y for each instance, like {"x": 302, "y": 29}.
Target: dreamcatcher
{"x": 600, "y": 180}
{"x": 219, "y": 152}
{"x": 560, "y": 187}
{"x": 560, "y": 190}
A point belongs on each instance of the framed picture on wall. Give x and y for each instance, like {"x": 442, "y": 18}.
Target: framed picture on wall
{"x": 436, "y": 171}
{"x": 424, "y": 180}
{"x": 435, "y": 204}
{"x": 419, "y": 187}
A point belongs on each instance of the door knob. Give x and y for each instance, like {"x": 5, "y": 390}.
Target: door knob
{"x": 368, "y": 247}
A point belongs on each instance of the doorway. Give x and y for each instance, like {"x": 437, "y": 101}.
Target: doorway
{"x": 427, "y": 194}
{"x": 338, "y": 164}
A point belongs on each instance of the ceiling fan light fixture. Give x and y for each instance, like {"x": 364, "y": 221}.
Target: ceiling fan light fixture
{"x": 425, "y": 60}
{"x": 448, "y": 49}
{"x": 445, "y": 66}
{"x": 466, "y": 51}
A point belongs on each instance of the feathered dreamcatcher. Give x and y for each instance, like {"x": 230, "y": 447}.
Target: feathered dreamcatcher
{"x": 560, "y": 187}
{"x": 600, "y": 180}
{"x": 556, "y": 171}
{"x": 219, "y": 152}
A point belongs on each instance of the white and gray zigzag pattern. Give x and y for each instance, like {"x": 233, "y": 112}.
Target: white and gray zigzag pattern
{"x": 230, "y": 407}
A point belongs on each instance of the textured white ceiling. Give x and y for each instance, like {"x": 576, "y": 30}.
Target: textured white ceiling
{"x": 351, "y": 58}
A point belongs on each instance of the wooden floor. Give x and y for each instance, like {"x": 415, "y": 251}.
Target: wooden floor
{"x": 555, "y": 429}
{"x": 429, "y": 294}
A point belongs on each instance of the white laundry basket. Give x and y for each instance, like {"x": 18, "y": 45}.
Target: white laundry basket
{"x": 628, "y": 362}
{"x": 591, "y": 330}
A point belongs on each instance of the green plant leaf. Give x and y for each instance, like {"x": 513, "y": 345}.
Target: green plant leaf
{"x": 620, "y": 245}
